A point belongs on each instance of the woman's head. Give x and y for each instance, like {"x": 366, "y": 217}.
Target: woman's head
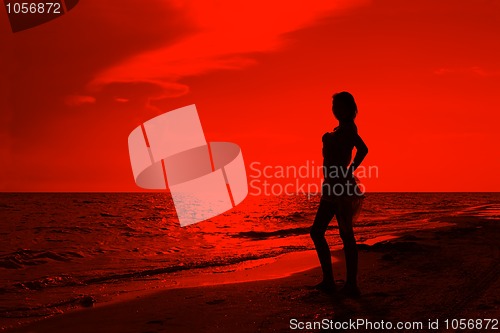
{"x": 344, "y": 107}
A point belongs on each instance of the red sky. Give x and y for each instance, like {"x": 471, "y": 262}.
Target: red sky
{"x": 425, "y": 75}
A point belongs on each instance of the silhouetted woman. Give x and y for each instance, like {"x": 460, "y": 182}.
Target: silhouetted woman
{"x": 341, "y": 196}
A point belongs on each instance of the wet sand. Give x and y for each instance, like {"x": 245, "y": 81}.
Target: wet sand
{"x": 446, "y": 273}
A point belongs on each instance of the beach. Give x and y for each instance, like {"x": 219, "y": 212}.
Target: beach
{"x": 448, "y": 273}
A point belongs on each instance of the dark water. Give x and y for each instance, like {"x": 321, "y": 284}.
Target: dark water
{"x": 58, "y": 248}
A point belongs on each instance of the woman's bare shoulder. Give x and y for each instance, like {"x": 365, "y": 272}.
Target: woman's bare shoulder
{"x": 327, "y": 136}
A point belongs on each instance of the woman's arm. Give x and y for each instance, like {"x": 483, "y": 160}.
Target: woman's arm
{"x": 361, "y": 151}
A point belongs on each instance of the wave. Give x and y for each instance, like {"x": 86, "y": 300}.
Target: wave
{"x": 25, "y": 257}
{"x": 180, "y": 267}
{"x": 49, "y": 281}
{"x": 68, "y": 280}
{"x": 59, "y": 229}
{"x": 294, "y": 216}
{"x": 260, "y": 235}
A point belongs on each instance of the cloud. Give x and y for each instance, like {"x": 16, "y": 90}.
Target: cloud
{"x": 226, "y": 35}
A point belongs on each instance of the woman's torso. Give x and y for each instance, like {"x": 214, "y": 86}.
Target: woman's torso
{"x": 337, "y": 153}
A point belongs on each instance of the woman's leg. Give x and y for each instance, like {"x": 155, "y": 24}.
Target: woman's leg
{"x": 345, "y": 222}
{"x": 325, "y": 213}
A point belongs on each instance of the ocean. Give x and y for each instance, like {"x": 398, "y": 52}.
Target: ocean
{"x": 59, "y": 249}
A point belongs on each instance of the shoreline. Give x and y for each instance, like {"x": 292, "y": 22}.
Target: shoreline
{"x": 259, "y": 269}
{"x": 285, "y": 280}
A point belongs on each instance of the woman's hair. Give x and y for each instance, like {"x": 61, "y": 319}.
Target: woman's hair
{"x": 344, "y": 107}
